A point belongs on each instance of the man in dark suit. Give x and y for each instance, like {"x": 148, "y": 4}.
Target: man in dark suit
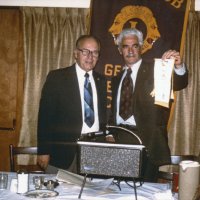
{"x": 145, "y": 118}
{"x": 62, "y": 117}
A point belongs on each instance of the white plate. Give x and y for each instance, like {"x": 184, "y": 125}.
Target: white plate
{"x": 41, "y": 193}
{"x": 132, "y": 197}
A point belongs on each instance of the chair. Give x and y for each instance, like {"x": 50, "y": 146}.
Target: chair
{"x": 174, "y": 166}
{"x": 15, "y": 151}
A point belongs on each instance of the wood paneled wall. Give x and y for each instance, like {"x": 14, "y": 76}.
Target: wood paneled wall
{"x": 11, "y": 81}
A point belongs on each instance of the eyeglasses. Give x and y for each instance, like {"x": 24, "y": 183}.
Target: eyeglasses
{"x": 87, "y": 52}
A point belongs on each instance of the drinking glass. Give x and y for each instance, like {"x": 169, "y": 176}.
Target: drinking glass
{"x": 3, "y": 181}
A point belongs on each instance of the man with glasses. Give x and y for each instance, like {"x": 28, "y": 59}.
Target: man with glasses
{"x": 73, "y": 103}
{"x": 136, "y": 111}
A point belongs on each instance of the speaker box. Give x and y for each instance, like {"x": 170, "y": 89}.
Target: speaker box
{"x": 110, "y": 160}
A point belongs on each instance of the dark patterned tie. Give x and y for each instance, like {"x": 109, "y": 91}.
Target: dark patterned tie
{"x": 126, "y": 99}
{"x": 88, "y": 102}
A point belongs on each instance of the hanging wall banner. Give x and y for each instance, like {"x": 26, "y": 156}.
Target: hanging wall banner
{"x": 163, "y": 23}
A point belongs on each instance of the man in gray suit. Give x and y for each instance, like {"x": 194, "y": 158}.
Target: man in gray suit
{"x": 145, "y": 118}
{"x": 62, "y": 116}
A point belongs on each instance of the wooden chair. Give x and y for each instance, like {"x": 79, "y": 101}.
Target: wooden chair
{"x": 15, "y": 151}
{"x": 174, "y": 166}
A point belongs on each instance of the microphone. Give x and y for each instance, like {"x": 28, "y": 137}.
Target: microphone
{"x": 92, "y": 135}
{"x": 96, "y": 134}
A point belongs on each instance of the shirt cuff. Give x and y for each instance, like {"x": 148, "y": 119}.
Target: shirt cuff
{"x": 180, "y": 71}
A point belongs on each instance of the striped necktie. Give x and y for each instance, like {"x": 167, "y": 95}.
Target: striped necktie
{"x": 88, "y": 102}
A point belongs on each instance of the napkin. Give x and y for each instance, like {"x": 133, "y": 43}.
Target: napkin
{"x": 166, "y": 195}
{"x": 69, "y": 177}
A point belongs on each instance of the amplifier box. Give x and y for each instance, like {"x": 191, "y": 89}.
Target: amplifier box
{"x": 110, "y": 160}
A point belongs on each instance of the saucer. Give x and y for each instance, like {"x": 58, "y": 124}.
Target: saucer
{"x": 41, "y": 193}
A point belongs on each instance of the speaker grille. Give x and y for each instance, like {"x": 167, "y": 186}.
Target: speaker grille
{"x": 114, "y": 161}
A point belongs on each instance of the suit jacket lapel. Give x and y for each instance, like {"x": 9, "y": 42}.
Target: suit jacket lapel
{"x": 115, "y": 86}
{"x": 141, "y": 77}
{"x": 71, "y": 79}
{"x": 97, "y": 81}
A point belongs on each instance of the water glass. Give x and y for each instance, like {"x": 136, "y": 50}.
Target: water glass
{"x": 3, "y": 181}
{"x": 38, "y": 182}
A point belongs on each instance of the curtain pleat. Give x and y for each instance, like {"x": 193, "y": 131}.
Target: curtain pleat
{"x": 184, "y": 130}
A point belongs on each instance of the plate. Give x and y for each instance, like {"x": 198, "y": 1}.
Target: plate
{"x": 41, "y": 193}
{"x": 128, "y": 198}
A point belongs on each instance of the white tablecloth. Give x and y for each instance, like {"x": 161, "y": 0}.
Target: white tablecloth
{"x": 67, "y": 191}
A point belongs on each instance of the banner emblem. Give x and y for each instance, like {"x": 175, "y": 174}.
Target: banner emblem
{"x": 132, "y": 15}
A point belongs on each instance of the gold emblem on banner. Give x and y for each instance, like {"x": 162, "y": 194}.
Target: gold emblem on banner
{"x": 130, "y": 14}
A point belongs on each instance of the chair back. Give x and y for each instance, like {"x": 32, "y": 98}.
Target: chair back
{"x": 15, "y": 151}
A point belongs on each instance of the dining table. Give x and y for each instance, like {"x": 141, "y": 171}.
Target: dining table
{"x": 70, "y": 187}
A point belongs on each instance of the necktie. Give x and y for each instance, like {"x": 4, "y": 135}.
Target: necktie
{"x": 88, "y": 102}
{"x": 126, "y": 99}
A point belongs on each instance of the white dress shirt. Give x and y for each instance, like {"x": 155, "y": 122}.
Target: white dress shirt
{"x": 81, "y": 79}
{"x": 134, "y": 68}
